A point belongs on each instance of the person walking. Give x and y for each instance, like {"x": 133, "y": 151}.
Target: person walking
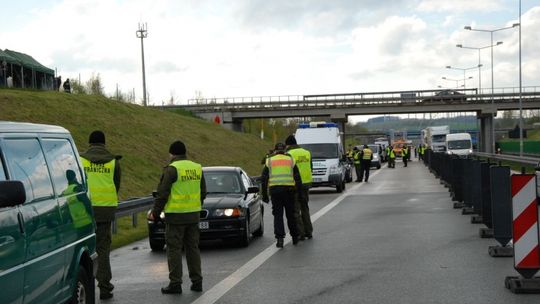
{"x": 180, "y": 195}
{"x": 103, "y": 173}
{"x": 405, "y": 155}
{"x": 391, "y": 158}
{"x": 365, "y": 163}
{"x": 281, "y": 180}
{"x": 302, "y": 159}
{"x": 67, "y": 86}
{"x": 357, "y": 164}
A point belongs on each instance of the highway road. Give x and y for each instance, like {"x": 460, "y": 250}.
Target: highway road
{"x": 396, "y": 239}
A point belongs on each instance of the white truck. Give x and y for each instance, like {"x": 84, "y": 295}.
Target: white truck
{"x": 459, "y": 144}
{"x": 435, "y": 137}
{"x": 323, "y": 140}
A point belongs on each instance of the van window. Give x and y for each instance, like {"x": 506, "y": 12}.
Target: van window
{"x": 27, "y": 164}
{"x": 323, "y": 151}
{"x": 63, "y": 164}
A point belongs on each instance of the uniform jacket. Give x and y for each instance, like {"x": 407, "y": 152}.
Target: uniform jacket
{"x": 98, "y": 154}
{"x": 265, "y": 176}
{"x": 168, "y": 178}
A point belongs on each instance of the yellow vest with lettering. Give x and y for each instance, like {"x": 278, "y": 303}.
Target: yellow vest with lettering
{"x": 280, "y": 169}
{"x": 185, "y": 196}
{"x": 101, "y": 188}
{"x": 302, "y": 159}
{"x": 367, "y": 154}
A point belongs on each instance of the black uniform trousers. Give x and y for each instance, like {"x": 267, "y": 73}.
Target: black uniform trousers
{"x": 365, "y": 165}
{"x": 283, "y": 198}
{"x": 358, "y": 171}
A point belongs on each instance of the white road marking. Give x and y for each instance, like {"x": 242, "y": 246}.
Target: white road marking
{"x": 221, "y": 288}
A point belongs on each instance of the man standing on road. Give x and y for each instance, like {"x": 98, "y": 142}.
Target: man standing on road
{"x": 103, "y": 177}
{"x": 281, "y": 179}
{"x": 302, "y": 159}
{"x": 391, "y": 158}
{"x": 366, "y": 156}
{"x": 357, "y": 164}
{"x": 180, "y": 194}
{"x": 405, "y": 155}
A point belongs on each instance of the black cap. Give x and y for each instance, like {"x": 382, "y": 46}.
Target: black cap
{"x": 290, "y": 141}
{"x": 177, "y": 148}
{"x": 279, "y": 147}
{"x": 96, "y": 137}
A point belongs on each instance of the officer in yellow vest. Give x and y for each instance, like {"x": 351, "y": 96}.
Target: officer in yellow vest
{"x": 366, "y": 155}
{"x": 302, "y": 158}
{"x": 281, "y": 179}
{"x": 391, "y": 157}
{"x": 103, "y": 177}
{"x": 405, "y": 155}
{"x": 357, "y": 164}
{"x": 180, "y": 195}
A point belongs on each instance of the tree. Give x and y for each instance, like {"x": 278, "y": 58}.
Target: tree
{"x": 94, "y": 85}
{"x": 77, "y": 87}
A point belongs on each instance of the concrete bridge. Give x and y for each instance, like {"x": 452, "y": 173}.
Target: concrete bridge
{"x": 337, "y": 107}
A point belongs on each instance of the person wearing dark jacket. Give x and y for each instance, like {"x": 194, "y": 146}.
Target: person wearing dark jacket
{"x": 366, "y": 156}
{"x": 303, "y": 161}
{"x": 180, "y": 195}
{"x": 281, "y": 180}
{"x": 103, "y": 177}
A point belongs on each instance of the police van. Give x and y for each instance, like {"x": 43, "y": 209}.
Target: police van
{"x": 47, "y": 239}
{"x": 323, "y": 140}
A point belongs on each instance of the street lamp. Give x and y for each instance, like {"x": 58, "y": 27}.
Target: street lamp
{"x": 464, "y": 71}
{"x": 480, "y": 61}
{"x": 142, "y": 33}
{"x": 492, "y": 84}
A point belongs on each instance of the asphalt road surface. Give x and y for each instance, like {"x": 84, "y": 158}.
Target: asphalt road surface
{"x": 396, "y": 239}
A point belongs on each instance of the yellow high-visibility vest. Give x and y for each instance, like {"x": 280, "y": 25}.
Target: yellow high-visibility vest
{"x": 392, "y": 153}
{"x": 281, "y": 170}
{"x": 367, "y": 154}
{"x": 302, "y": 159}
{"x": 101, "y": 187}
{"x": 405, "y": 151}
{"x": 185, "y": 194}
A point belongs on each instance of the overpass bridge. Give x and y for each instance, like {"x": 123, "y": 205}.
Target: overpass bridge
{"x": 337, "y": 107}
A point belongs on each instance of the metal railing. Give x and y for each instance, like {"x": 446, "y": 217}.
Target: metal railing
{"x": 132, "y": 207}
{"x": 525, "y": 160}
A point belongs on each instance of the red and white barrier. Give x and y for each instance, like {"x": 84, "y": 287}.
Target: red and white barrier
{"x": 525, "y": 223}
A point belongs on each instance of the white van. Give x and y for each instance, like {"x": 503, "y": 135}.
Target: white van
{"x": 459, "y": 144}
{"x": 323, "y": 140}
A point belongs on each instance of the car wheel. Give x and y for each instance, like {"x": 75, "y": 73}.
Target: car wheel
{"x": 378, "y": 166}
{"x": 244, "y": 239}
{"x": 340, "y": 187}
{"x": 83, "y": 289}
{"x": 157, "y": 245}
{"x": 260, "y": 231}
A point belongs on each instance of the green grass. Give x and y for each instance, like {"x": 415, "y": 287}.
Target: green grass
{"x": 126, "y": 233}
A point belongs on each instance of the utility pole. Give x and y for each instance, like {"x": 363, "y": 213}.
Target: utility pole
{"x": 142, "y": 33}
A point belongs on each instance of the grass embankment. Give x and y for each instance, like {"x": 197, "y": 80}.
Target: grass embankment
{"x": 141, "y": 135}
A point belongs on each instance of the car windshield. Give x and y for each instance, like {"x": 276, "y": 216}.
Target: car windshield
{"x": 459, "y": 144}
{"x": 222, "y": 182}
{"x": 323, "y": 151}
{"x": 374, "y": 148}
{"x": 438, "y": 138}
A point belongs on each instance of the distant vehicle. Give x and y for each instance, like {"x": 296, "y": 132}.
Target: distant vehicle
{"x": 323, "y": 140}
{"x": 232, "y": 210}
{"x": 435, "y": 137}
{"x": 377, "y": 150}
{"x": 47, "y": 238}
{"x": 459, "y": 144}
{"x": 447, "y": 96}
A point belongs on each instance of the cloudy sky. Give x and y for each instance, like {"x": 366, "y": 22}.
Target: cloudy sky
{"x": 280, "y": 47}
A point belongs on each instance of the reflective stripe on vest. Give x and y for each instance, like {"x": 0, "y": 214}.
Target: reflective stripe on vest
{"x": 280, "y": 169}
{"x": 302, "y": 159}
{"x": 185, "y": 194}
{"x": 101, "y": 188}
{"x": 367, "y": 154}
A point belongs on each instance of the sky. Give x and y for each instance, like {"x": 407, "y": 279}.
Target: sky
{"x": 235, "y": 48}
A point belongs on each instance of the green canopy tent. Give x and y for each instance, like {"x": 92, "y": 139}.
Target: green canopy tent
{"x": 6, "y": 67}
{"x": 32, "y": 74}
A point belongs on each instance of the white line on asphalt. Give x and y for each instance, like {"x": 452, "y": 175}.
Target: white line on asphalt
{"x": 221, "y": 288}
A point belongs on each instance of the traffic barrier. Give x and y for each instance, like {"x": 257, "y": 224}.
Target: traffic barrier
{"x": 467, "y": 187}
{"x": 525, "y": 234}
{"x": 457, "y": 186}
{"x": 485, "y": 211}
{"x": 501, "y": 207}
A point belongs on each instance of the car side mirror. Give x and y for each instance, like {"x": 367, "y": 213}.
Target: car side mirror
{"x": 12, "y": 193}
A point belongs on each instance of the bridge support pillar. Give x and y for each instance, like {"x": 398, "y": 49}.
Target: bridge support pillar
{"x": 486, "y": 130}
{"x": 341, "y": 121}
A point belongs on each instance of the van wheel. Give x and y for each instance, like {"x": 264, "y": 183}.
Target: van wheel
{"x": 82, "y": 293}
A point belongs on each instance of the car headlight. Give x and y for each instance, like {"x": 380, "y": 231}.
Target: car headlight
{"x": 470, "y": 150}
{"x": 228, "y": 212}
{"x": 333, "y": 170}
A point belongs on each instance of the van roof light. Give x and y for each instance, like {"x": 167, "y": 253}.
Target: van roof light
{"x": 317, "y": 124}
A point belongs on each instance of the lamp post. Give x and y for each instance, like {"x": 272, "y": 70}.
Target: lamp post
{"x": 520, "y": 90}
{"x": 492, "y": 82}
{"x": 142, "y": 33}
{"x": 464, "y": 71}
{"x": 480, "y": 60}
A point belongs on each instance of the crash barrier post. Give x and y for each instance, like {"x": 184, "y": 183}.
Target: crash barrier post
{"x": 485, "y": 201}
{"x": 525, "y": 234}
{"x": 467, "y": 187}
{"x": 501, "y": 211}
{"x": 457, "y": 185}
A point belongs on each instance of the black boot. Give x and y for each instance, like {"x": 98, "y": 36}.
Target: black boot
{"x": 171, "y": 289}
{"x": 196, "y": 286}
{"x": 279, "y": 243}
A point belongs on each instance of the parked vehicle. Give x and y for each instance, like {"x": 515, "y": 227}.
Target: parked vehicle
{"x": 383, "y": 142}
{"x": 435, "y": 137}
{"x": 47, "y": 239}
{"x": 323, "y": 140}
{"x": 459, "y": 144}
{"x": 377, "y": 151}
{"x": 232, "y": 210}
{"x": 446, "y": 96}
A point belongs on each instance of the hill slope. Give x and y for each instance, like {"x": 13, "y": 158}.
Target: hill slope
{"x": 141, "y": 135}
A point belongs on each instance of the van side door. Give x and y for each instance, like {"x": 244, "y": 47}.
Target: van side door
{"x": 12, "y": 251}
{"x": 44, "y": 262}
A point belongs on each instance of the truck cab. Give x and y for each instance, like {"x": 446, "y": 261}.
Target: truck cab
{"x": 323, "y": 140}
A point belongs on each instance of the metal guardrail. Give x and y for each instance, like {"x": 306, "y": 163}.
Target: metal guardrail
{"x": 525, "y": 160}
{"x": 132, "y": 207}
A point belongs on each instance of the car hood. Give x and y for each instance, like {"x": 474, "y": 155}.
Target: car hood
{"x": 214, "y": 201}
